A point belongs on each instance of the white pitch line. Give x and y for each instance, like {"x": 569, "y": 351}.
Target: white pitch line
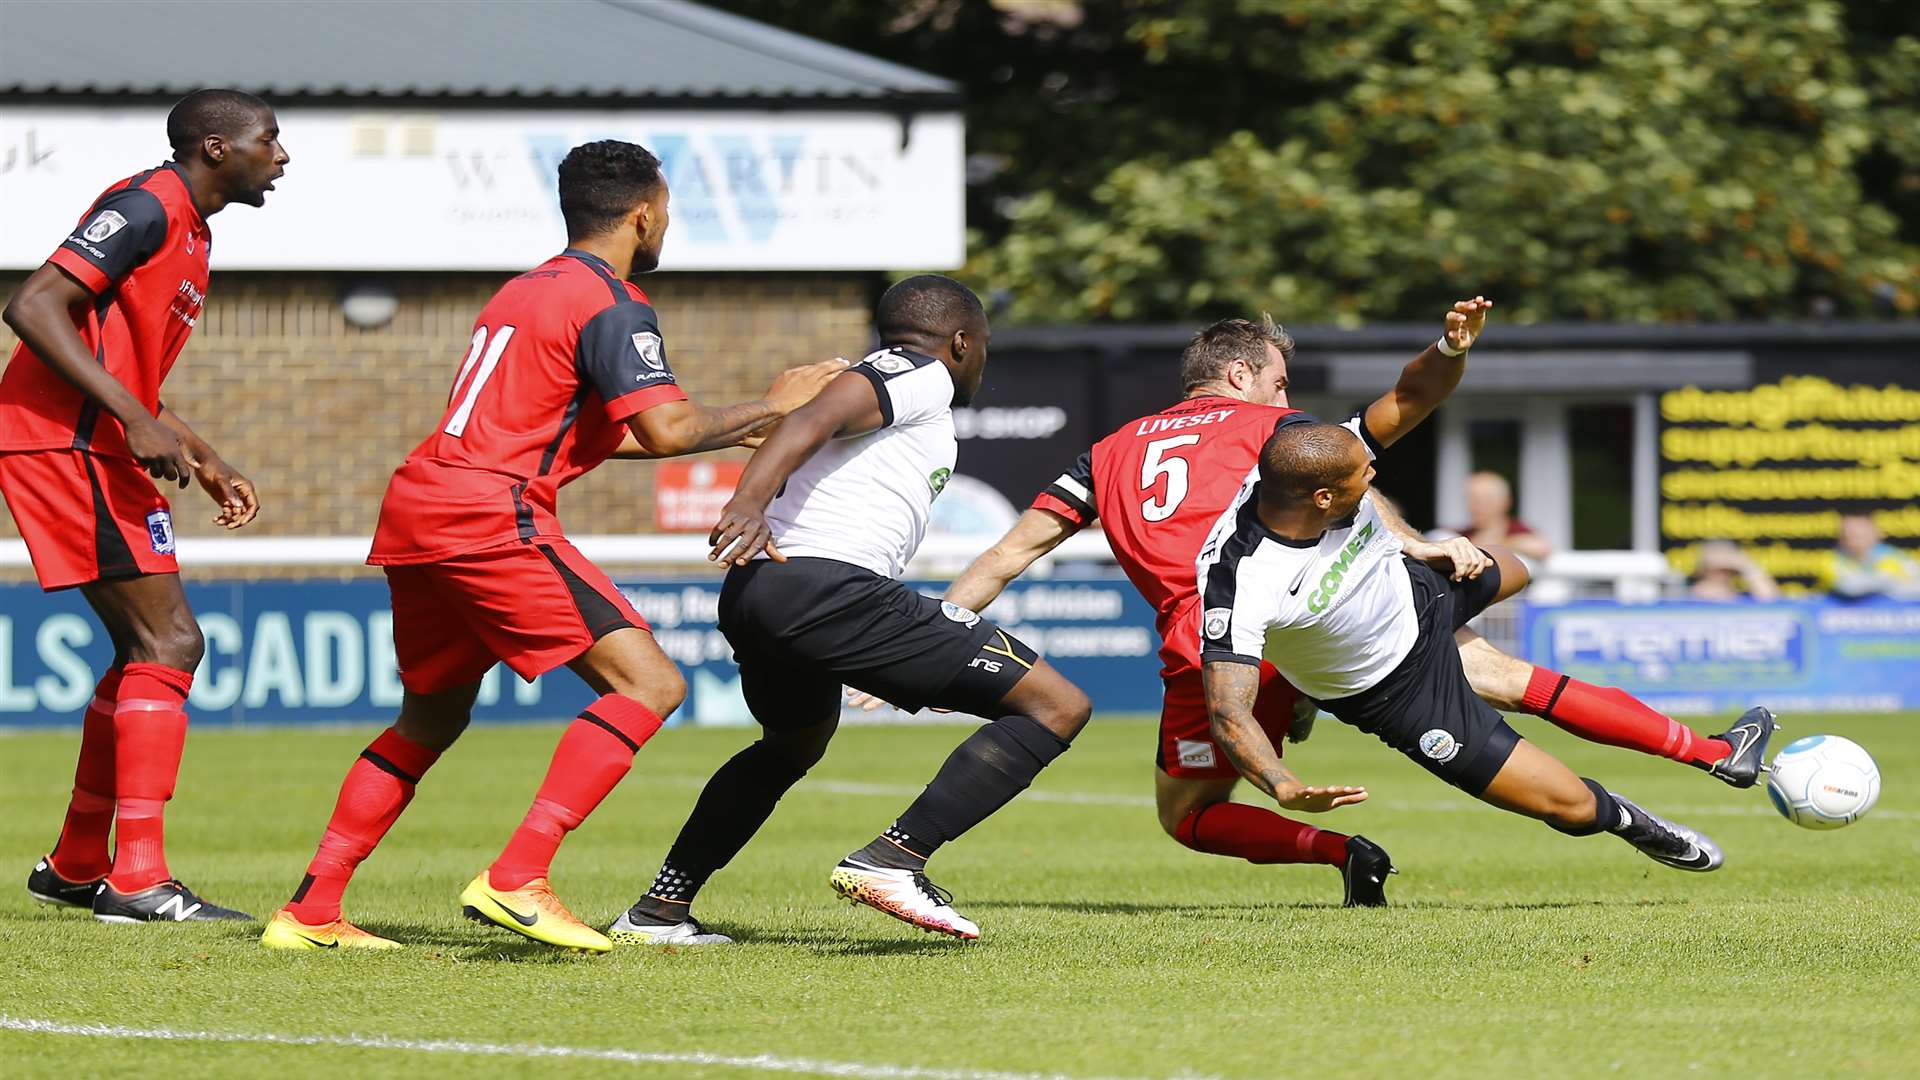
{"x": 756, "y": 1062}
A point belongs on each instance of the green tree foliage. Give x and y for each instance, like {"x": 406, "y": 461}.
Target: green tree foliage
{"x": 1365, "y": 160}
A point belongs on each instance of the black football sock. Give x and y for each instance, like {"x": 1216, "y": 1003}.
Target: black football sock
{"x": 1621, "y": 817}
{"x": 1607, "y": 813}
{"x": 668, "y": 899}
{"x": 982, "y": 774}
{"x": 895, "y": 850}
{"x": 732, "y": 807}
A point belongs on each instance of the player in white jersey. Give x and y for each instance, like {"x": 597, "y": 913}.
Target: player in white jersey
{"x": 824, "y": 521}
{"x": 1367, "y": 633}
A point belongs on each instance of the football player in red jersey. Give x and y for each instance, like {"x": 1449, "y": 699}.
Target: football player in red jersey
{"x": 82, "y": 428}
{"x": 566, "y": 368}
{"x": 1159, "y": 483}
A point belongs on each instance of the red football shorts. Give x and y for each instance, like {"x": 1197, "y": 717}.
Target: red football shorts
{"x": 86, "y": 517}
{"x": 1187, "y": 749}
{"x": 535, "y": 606}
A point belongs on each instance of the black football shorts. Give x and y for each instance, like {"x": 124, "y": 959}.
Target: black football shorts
{"x": 802, "y": 628}
{"x": 1425, "y": 708}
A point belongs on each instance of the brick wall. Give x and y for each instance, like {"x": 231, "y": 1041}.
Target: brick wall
{"x": 318, "y": 413}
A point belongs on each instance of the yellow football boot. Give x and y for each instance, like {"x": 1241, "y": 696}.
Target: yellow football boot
{"x": 533, "y": 911}
{"x": 286, "y": 932}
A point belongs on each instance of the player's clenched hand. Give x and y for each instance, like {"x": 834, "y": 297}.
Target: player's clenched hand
{"x": 1465, "y": 558}
{"x": 865, "y": 702}
{"x": 740, "y": 535}
{"x": 160, "y": 450}
{"x": 1466, "y": 320}
{"x": 752, "y": 440}
{"x": 1319, "y": 800}
{"x": 795, "y": 387}
{"x": 230, "y": 491}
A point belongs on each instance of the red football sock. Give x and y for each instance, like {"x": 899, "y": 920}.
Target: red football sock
{"x": 149, "y": 732}
{"x": 82, "y": 852}
{"x": 377, "y": 788}
{"x": 1258, "y": 836}
{"x": 1613, "y": 717}
{"x": 593, "y": 755}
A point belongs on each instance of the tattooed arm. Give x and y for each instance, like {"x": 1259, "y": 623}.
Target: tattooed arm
{"x": 1231, "y": 690}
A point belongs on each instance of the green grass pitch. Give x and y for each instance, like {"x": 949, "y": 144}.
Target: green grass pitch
{"x": 1108, "y": 950}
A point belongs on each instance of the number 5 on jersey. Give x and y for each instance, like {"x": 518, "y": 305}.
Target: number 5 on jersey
{"x": 1158, "y": 463}
{"x": 487, "y": 355}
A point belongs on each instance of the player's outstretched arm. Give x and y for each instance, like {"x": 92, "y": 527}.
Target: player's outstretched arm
{"x": 685, "y": 427}
{"x": 40, "y": 313}
{"x": 1431, "y": 377}
{"x": 230, "y": 491}
{"x": 850, "y": 405}
{"x": 1231, "y": 690}
{"x": 986, "y": 577}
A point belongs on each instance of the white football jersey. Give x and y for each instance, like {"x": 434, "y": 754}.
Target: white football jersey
{"x": 866, "y": 499}
{"x": 1339, "y": 608}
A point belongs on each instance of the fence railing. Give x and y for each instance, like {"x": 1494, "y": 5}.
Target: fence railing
{"x": 1628, "y": 576}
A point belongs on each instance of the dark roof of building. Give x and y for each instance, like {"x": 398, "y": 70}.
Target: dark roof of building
{"x": 552, "y": 49}
{"x": 1125, "y": 337}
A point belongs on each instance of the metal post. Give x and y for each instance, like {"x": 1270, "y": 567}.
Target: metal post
{"x": 1546, "y": 471}
{"x": 1646, "y": 472}
{"x": 1452, "y": 463}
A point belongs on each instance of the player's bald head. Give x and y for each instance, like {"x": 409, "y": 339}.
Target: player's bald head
{"x": 928, "y": 308}
{"x": 1301, "y": 459}
{"x": 229, "y": 114}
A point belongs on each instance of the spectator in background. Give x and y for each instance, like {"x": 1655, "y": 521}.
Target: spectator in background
{"x": 1490, "y": 506}
{"x": 1726, "y": 573}
{"x": 1863, "y": 564}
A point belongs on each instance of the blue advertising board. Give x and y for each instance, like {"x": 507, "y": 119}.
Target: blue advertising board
{"x": 322, "y": 651}
{"x": 1692, "y": 658}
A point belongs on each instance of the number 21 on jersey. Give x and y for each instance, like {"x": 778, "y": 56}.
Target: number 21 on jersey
{"x": 1159, "y": 462}
{"x": 486, "y": 354}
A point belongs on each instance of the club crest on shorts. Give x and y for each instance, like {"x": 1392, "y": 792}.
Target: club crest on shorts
{"x": 1195, "y": 754}
{"x": 1440, "y": 746}
{"x": 160, "y": 532}
{"x": 648, "y": 345}
{"x": 1215, "y": 623}
{"x": 105, "y": 224}
{"x": 964, "y": 616}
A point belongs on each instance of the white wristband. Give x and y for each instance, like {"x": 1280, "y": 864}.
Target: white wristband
{"x": 1448, "y": 350}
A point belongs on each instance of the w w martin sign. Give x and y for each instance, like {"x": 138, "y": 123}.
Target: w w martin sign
{"x": 475, "y": 190}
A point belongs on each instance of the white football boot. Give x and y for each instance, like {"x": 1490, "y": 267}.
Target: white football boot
{"x": 687, "y": 931}
{"x": 906, "y": 895}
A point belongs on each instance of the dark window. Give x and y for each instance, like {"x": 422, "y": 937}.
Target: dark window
{"x": 1602, "y": 438}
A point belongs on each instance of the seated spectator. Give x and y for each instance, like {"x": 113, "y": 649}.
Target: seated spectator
{"x": 1726, "y": 573}
{"x": 1490, "y": 506}
{"x": 1863, "y": 564}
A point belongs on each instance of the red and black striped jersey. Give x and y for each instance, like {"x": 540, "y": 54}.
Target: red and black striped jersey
{"x": 560, "y": 358}
{"x": 1158, "y": 485}
{"x": 141, "y": 249}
